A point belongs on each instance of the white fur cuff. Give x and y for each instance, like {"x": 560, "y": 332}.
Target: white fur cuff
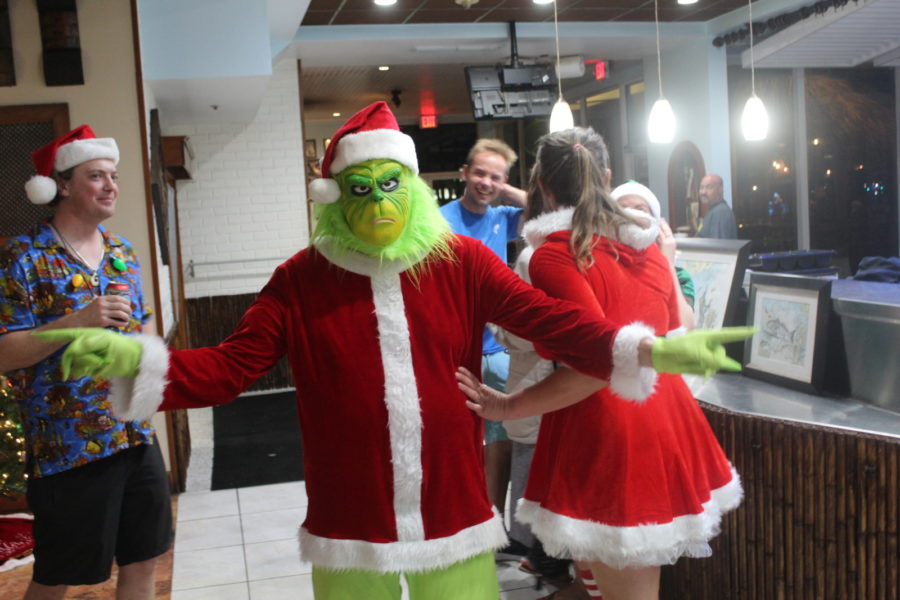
{"x": 136, "y": 399}
{"x": 403, "y": 557}
{"x": 629, "y": 379}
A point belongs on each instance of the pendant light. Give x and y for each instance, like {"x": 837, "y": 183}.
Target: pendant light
{"x": 755, "y": 119}
{"x": 661, "y": 124}
{"x": 561, "y": 115}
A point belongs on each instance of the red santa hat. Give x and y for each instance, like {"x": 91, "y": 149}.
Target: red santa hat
{"x": 633, "y": 188}
{"x": 372, "y": 133}
{"x": 78, "y": 146}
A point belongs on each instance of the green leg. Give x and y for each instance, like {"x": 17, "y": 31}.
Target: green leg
{"x": 354, "y": 585}
{"x": 471, "y": 579}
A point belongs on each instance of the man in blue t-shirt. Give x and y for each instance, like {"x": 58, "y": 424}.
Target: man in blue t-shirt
{"x": 486, "y": 174}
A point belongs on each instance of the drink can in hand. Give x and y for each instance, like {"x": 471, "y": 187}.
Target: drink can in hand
{"x": 118, "y": 289}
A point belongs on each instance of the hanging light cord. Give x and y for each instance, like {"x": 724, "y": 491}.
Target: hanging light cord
{"x": 556, "y": 30}
{"x": 752, "y": 69}
{"x": 658, "y": 58}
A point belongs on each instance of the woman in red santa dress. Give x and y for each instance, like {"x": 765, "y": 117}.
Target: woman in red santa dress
{"x": 623, "y": 486}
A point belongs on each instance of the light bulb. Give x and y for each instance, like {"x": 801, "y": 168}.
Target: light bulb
{"x": 754, "y": 120}
{"x": 661, "y": 124}
{"x": 561, "y": 116}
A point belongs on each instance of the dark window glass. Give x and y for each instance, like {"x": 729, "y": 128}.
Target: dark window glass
{"x": 852, "y": 161}
{"x": 763, "y": 171}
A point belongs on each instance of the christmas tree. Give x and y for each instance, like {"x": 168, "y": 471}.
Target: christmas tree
{"x": 12, "y": 445}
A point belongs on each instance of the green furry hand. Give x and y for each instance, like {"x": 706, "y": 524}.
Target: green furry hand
{"x": 699, "y": 351}
{"x": 95, "y": 352}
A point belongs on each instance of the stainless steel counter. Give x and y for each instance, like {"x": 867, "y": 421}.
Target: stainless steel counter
{"x": 750, "y": 396}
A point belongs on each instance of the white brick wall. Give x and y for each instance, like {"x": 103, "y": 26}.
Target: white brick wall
{"x": 247, "y": 200}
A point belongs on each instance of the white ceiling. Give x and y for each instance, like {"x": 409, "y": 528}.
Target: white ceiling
{"x": 338, "y": 62}
{"x": 860, "y": 32}
{"x": 427, "y": 62}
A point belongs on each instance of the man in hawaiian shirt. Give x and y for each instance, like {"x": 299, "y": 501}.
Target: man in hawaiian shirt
{"x": 108, "y": 472}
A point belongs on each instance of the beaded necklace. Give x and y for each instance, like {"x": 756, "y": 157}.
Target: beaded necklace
{"x": 94, "y": 273}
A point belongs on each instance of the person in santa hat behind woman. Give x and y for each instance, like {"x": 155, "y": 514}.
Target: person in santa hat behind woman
{"x": 97, "y": 484}
{"x": 637, "y": 196}
{"x": 374, "y": 319}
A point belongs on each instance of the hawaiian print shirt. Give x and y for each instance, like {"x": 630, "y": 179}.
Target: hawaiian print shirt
{"x": 66, "y": 423}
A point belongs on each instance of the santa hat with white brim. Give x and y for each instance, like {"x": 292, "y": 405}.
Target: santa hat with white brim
{"x": 372, "y": 133}
{"x": 78, "y": 146}
{"x": 633, "y": 188}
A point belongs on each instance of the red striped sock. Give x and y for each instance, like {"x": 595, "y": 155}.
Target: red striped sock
{"x": 587, "y": 578}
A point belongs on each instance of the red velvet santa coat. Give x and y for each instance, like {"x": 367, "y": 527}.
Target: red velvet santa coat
{"x": 393, "y": 458}
{"x": 631, "y": 484}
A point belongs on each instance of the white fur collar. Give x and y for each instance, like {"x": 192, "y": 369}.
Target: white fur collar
{"x": 359, "y": 263}
{"x": 538, "y": 229}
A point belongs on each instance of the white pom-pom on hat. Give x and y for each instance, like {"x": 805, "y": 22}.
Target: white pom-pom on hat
{"x": 324, "y": 190}
{"x": 40, "y": 189}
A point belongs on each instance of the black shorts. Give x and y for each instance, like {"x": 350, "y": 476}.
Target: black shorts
{"x": 117, "y": 506}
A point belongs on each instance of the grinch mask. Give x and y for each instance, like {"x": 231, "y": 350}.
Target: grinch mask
{"x": 375, "y": 200}
{"x": 385, "y": 212}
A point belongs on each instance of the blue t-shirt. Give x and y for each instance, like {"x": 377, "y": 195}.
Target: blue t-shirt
{"x": 498, "y": 226}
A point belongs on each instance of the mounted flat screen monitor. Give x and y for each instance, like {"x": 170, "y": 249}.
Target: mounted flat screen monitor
{"x": 504, "y": 92}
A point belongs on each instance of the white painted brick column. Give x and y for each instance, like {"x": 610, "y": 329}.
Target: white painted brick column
{"x": 247, "y": 200}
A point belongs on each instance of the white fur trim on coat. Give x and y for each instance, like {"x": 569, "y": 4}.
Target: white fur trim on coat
{"x": 637, "y": 546}
{"x": 368, "y": 145}
{"x": 403, "y": 557}
{"x": 537, "y": 229}
{"x": 629, "y": 379}
{"x": 401, "y": 397}
{"x": 359, "y": 263}
{"x": 137, "y": 398}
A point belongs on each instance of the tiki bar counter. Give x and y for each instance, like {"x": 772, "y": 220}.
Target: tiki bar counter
{"x": 820, "y": 467}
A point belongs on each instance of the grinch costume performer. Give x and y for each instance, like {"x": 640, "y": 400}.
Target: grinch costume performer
{"x": 375, "y": 317}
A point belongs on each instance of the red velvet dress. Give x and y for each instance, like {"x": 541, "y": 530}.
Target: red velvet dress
{"x": 622, "y": 482}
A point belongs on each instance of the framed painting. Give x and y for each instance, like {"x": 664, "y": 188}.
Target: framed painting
{"x": 717, "y": 268}
{"x": 791, "y": 313}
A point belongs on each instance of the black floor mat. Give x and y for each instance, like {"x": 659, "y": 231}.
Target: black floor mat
{"x": 256, "y": 442}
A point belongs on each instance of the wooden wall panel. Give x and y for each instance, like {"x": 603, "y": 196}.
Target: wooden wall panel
{"x": 210, "y": 320}
{"x": 819, "y": 518}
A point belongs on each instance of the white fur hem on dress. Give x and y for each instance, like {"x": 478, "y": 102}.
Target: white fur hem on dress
{"x": 629, "y": 380}
{"x": 405, "y": 557}
{"x": 137, "y": 398}
{"x": 636, "y": 546}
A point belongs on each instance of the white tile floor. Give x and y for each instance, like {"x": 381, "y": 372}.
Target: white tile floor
{"x": 241, "y": 544}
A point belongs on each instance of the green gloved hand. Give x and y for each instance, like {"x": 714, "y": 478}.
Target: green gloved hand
{"x": 699, "y": 351}
{"x": 95, "y": 352}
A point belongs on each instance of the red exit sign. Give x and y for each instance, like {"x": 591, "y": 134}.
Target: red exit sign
{"x": 428, "y": 121}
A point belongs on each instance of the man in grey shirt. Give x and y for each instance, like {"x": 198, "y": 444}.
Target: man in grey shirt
{"x": 719, "y": 220}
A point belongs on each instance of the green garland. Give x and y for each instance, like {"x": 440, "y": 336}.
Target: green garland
{"x": 12, "y": 445}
